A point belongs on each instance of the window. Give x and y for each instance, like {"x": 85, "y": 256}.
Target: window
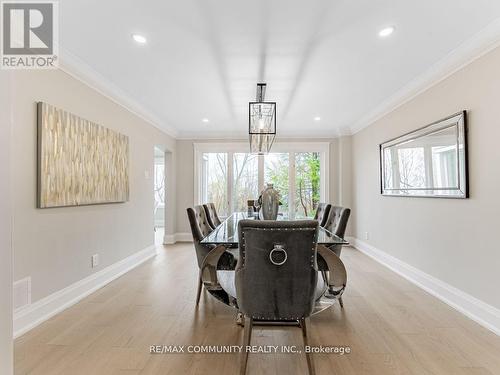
{"x": 307, "y": 184}
{"x": 228, "y": 175}
{"x": 276, "y": 171}
{"x": 214, "y": 181}
{"x": 245, "y": 180}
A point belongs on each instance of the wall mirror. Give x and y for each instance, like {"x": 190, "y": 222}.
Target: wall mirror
{"x": 428, "y": 162}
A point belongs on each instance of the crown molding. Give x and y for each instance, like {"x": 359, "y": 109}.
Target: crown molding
{"x": 470, "y": 50}
{"x": 79, "y": 69}
{"x": 467, "y": 52}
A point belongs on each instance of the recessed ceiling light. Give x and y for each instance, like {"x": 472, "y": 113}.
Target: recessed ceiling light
{"x": 139, "y": 38}
{"x": 205, "y": 120}
{"x": 317, "y": 118}
{"x": 386, "y": 31}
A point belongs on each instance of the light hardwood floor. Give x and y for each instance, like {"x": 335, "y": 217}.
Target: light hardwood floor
{"x": 391, "y": 326}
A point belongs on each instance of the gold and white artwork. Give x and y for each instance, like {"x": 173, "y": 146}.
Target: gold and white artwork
{"x": 79, "y": 162}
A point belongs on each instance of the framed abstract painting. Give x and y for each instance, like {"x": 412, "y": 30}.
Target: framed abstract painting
{"x": 79, "y": 162}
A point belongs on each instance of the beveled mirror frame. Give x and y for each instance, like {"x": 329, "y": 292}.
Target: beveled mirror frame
{"x": 457, "y": 121}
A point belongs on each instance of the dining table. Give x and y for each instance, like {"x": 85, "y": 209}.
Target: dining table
{"x": 224, "y": 238}
{"x": 227, "y": 232}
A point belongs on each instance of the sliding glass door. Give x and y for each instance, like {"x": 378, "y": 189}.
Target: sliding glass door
{"x": 214, "y": 181}
{"x": 307, "y": 192}
{"x": 276, "y": 172}
{"x": 245, "y": 180}
{"x": 229, "y": 177}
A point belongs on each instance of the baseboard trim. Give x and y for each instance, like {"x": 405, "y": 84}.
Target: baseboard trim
{"x": 183, "y": 237}
{"x": 170, "y": 239}
{"x": 475, "y": 309}
{"x": 38, "y": 312}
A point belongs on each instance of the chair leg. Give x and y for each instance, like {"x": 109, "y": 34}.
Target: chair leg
{"x": 310, "y": 363}
{"x": 246, "y": 342}
{"x": 200, "y": 286}
{"x": 325, "y": 279}
{"x": 326, "y": 275}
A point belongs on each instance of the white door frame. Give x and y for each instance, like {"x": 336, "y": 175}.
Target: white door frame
{"x": 169, "y": 209}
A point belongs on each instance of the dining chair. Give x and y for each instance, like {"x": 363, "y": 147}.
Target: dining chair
{"x": 336, "y": 223}
{"x": 276, "y": 275}
{"x": 200, "y": 229}
{"x": 322, "y": 213}
{"x": 212, "y": 217}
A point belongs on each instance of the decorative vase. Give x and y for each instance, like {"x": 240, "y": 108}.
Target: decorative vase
{"x": 250, "y": 208}
{"x": 269, "y": 203}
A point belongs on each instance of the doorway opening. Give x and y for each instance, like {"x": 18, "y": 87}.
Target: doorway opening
{"x": 159, "y": 195}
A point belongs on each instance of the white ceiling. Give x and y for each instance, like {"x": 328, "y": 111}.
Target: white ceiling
{"x": 319, "y": 57}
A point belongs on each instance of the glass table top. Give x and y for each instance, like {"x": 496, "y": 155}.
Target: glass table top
{"x": 227, "y": 232}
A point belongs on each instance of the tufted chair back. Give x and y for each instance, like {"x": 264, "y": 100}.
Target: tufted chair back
{"x": 337, "y": 223}
{"x": 199, "y": 229}
{"x": 322, "y": 213}
{"x": 212, "y": 217}
{"x": 276, "y": 273}
{"x": 337, "y": 220}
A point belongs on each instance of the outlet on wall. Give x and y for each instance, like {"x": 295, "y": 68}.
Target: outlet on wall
{"x": 95, "y": 260}
{"x": 367, "y": 236}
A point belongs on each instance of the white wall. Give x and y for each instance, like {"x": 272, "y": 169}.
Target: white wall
{"x": 184, "y": 183}
{"x": 339, "y": 183}
{"x": 341, "y": 173}
{"x": 6, "y": 353}
{"x": 54, "y": 246}
{"x": 452, "y": 240}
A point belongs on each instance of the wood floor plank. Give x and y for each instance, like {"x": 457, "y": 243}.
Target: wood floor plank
{"x": 390, "y": 325}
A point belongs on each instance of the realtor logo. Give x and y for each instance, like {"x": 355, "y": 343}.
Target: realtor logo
{"x": 29, "y": 34}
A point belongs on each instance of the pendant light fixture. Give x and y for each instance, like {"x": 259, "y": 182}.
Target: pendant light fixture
{"x": 261, "y": 122}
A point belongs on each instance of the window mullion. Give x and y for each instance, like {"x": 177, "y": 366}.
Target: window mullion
{"x": 230, "y": 181}
{"x": 261, "y": 173}
{"x": 324, "y": 192}
{"x": 291, "y": 185}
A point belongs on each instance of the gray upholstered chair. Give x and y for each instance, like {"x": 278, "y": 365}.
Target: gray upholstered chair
{"x": 336, "y": 223}
{"x": 212, "y": 217}
{"x": 200, "y": 229}
{"x": 276, "y": 274}
{"x": 322, "y": 213}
